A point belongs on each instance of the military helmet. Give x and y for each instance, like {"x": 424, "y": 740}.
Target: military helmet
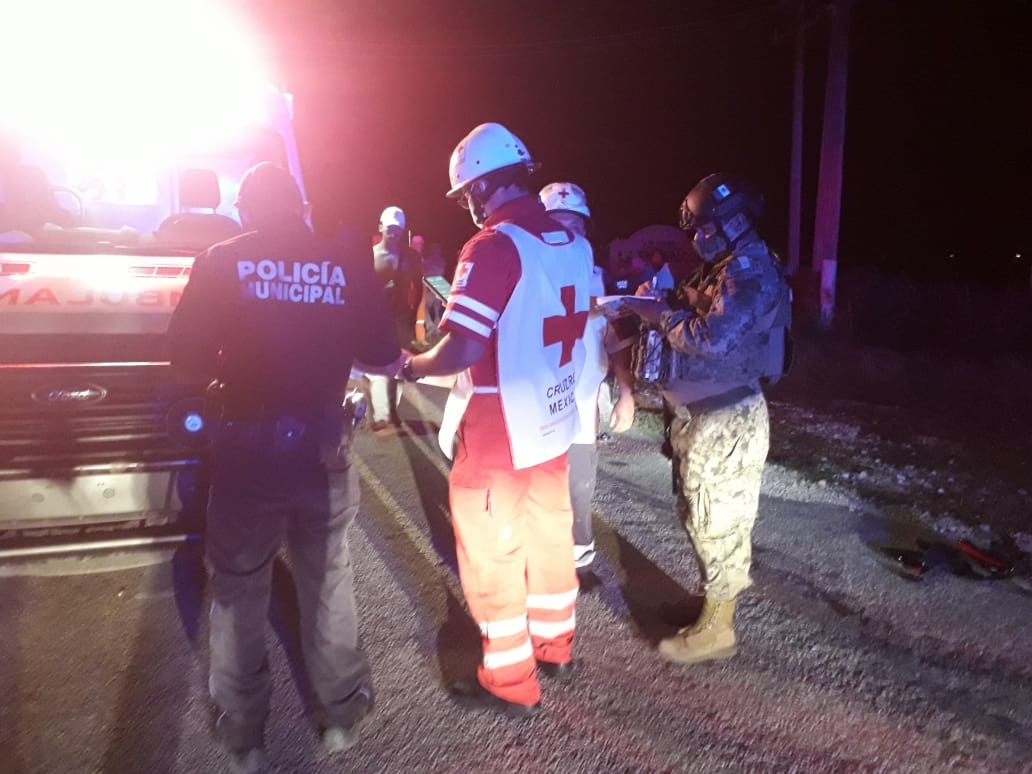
{"x": 718, "y": 198}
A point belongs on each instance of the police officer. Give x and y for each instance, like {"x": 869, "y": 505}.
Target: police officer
{"x": 515, "y": 319}
{"x": 726, "y": 335}
{"x": 276, "y": 316}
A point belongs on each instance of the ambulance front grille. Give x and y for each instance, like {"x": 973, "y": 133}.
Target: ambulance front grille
{"x": 56, "y": 417}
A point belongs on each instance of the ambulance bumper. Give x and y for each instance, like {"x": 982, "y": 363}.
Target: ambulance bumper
{"x": 143, "y": 495}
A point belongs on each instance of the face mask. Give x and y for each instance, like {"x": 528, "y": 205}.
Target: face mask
{"x": 711, "y": 247}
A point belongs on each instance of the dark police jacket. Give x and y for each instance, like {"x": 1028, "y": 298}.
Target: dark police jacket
{"x": 279, "y": 316}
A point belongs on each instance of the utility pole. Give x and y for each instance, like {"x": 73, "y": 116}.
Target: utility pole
{"x": 795, "y": 197}
{"x": 829, "y": 181}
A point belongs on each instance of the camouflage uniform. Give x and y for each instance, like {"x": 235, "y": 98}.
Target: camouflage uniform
{"x": 719, "y": 431}
{"x": 719, "y": 459}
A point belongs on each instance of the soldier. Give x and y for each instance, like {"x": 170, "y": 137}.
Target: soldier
{"x": 515, "y": 319}
{"x": 276, "y": 316}
{"x": 726, "y": 335}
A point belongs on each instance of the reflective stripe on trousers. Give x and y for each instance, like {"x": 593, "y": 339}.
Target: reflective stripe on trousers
{"x": 513, "y": 538}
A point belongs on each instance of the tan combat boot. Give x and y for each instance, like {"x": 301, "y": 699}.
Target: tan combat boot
{"x": 712, "y": 637}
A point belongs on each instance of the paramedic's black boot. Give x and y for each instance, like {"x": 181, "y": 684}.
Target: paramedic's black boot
{"x": 562, "y": 671}
{"x": 475, "y": 696}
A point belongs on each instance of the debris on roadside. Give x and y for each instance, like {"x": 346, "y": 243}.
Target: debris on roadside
{"x": 1000, "y": 559}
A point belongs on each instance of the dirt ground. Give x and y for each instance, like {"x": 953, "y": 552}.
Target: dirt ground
{"x": 941, "y": 438}
{"x": 941, "y": 446}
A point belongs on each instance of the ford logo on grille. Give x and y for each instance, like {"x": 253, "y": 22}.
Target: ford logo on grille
{"x": 70, "y": 395}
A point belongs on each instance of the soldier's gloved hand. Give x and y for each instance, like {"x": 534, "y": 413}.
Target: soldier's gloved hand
{"x": 648, "y": 309}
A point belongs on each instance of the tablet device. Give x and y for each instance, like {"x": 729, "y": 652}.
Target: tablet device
{"x": 439, "y": 286}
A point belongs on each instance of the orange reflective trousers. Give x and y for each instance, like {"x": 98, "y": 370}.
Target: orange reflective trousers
{"x": 514, "y": 543}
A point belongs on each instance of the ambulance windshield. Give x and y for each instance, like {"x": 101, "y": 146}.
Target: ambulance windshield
{"x": 54, "y": 200}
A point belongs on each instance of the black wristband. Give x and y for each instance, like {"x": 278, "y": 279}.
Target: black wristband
{"x": 406, "y": 371}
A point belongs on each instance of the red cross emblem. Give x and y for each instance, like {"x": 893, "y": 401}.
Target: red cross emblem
{"x": 565, "y": 328}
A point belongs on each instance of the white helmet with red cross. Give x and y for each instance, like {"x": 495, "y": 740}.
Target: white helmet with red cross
{"x": 487, "y": 148}
{"x": 565, "y": 197}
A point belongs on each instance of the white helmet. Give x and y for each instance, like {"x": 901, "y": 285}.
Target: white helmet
{"x": 487, "y": 148}
{"x": 565, "y": 197}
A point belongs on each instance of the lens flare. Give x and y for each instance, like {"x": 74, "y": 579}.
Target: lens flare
{"x": 129, "y": 79}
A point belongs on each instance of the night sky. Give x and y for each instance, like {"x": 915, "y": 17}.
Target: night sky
{"x": 636, "y": 101}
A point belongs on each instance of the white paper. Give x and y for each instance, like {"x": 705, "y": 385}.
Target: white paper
{"x": 617, "y": 300}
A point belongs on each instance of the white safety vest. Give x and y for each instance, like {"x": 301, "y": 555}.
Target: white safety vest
{"x": 540, "y": 349}
{"x": 596, "y": 366}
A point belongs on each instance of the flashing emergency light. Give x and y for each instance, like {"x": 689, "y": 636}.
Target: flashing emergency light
{"x": 126, "y": 79}
{"x": 185, "y": 423}
{"x": 193, "y": 422}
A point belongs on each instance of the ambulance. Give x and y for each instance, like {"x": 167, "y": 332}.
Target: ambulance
{"x": 123, "y": 140}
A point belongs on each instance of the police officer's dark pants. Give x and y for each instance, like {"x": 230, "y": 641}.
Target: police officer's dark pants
{"x": 261, "y": 495}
